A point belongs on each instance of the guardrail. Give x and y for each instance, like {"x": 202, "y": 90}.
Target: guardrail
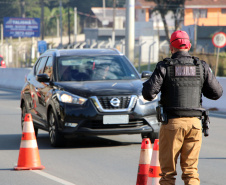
{"x": 14, "y": 78}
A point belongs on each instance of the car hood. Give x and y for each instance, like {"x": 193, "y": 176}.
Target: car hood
{"x": 105, "y": 88}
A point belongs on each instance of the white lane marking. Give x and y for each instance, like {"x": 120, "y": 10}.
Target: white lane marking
{"x": 53, "y": 177}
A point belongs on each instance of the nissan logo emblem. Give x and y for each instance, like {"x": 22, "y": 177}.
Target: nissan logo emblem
{"x": 115, "y": 102}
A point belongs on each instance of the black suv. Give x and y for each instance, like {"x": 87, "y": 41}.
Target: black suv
{"x": 87, "y": 92}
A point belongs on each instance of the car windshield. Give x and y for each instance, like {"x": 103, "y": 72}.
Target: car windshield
{"x": 87, "y": 68}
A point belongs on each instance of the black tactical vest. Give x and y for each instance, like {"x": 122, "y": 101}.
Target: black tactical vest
{"x": 182, "y": 88}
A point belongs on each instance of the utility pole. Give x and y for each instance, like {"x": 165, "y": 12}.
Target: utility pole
{"x": 195, "y": 36}
{"x": 22, "y": 5}
{"x": 2, "y": 39}
{"x": 75, "y": 24}
{"x": 58, "y": 27}
{"x": 42, "y": 19}
{"x": 104, "y": 6}
{"x": 69, "y": 27}
{"x": 195, "y": 17}
{"x": 61, "y": 29}
{"x": 113, "y": 26}
{"x": 130, "y": 29}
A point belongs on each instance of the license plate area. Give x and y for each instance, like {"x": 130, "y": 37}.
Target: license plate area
{"x": 115, "y": 119}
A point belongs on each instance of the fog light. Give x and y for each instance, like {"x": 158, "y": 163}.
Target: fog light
{"x": 71, "y": 124}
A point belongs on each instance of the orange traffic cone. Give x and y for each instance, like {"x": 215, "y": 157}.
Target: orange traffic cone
{"x": 154, "y": 170}
{"x": 144, "y": 163}
{"x": 29, "y": 156}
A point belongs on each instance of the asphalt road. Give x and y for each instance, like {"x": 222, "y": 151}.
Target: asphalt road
{"x": 107, "y": 160}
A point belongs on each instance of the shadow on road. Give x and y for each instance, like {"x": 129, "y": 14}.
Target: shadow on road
{"x": 12, "y": 142}
{"x": 83, "y": 142}
{"x": 218, "y": 114}
{"x": 213, "y": 158}
{"x": 6, "y": 169}
{"x": 10, "y": 94}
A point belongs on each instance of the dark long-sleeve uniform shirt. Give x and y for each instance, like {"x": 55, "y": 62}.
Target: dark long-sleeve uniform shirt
{"x": 211, "y": 87}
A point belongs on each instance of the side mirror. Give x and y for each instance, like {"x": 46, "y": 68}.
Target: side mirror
{"x": 146, "y": 74}
{"x": 42, "y": 78}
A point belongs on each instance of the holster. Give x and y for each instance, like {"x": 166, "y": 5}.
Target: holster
{"x": 205, "y": 123}
{"x": 161, "y": 115}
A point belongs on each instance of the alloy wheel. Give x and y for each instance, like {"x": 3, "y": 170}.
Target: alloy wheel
{"x": 52, "y": 128}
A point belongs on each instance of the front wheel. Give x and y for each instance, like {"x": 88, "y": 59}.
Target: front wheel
{"x": 151, "y": 135}
{"x": 23, "y": 113}
{"x": 56, "y": 139}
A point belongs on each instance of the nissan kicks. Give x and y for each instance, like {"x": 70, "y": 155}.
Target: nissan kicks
{"x": 87, "y": 92}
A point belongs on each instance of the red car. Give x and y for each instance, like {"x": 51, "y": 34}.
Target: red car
{"x": 2, "y": 63}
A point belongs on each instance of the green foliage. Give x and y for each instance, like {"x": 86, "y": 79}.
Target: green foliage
{"x": 164, "y": 6}
{"x": 32, "y": 8}
{"x": 9, "y": 8}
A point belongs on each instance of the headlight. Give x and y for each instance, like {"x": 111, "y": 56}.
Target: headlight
{"x": 70, "y": 98}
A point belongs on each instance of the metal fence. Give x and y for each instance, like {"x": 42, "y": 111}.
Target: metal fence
{"x": 18, "y": 54}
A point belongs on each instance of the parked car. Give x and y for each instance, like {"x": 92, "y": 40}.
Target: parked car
{"x": 87, "y": 92}
{"x": 2, "y": 63}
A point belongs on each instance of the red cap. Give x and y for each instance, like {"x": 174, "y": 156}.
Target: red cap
{"x": 179, "y": 38}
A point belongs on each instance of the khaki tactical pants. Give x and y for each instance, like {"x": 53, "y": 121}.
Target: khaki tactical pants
{"x": 180, "y": 136}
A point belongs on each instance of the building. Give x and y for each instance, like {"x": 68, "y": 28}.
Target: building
{"x": 145, "y": 34}
{"x": 205, "y": 12}
{"x": 203, "y": 18}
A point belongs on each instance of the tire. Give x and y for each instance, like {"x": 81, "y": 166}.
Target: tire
{"x": 56, "y": 139}
{"x": 152, "y": 136}
{"x": 23, "y": 113}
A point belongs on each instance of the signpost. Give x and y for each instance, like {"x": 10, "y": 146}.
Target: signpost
{"x": 219, "y": 41}
{"x": 21, "y": 27}
{"x": 42, "y": 46}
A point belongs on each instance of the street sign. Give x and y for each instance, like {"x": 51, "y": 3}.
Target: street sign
{"x": 219, "y": 39}
{"x": 21, "y": 27}
{"x": 42, "y": 46}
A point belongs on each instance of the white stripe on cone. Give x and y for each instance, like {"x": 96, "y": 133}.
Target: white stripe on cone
{"x": 28, "y": 144}
{"x": 155, "y": 159}
{"x": 153, "y": 181}
{"x": 28, "y": 127}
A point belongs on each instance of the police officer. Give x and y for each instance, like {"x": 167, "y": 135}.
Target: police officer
{"x": 182, "y": 79}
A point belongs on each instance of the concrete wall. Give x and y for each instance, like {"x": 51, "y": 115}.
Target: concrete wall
{"x": 13, "y": 78}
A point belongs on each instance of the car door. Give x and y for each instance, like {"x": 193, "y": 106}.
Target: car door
{"x": 44, "y": 91}
{"x": 35, "y": 94}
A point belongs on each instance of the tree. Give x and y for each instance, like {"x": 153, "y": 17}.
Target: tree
{"x": 9, "y": 9}
{"x": 164, "y": 6}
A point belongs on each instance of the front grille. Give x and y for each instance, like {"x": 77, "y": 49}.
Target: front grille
{"x": 97, "y": 124}
{"x": 118, "y": 103}
{"x": 105, "y": 102}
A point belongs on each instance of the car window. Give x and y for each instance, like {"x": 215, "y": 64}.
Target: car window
{"x": 49, "y": 67}
{"x": 40, "y": 66}
{"x": 36, "y": 66}
{"x": 83, "y": 68}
